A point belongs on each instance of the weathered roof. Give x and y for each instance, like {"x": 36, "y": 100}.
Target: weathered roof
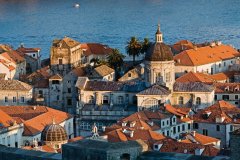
{"x": 227, "y": 88}
{"x": 28, "y": 50}
{"x": 205, "y": 55}
{"x": 227, "y": 111}
{"x": 65, "y": 42}
{"x": 159, "y": 52}
{"x": 103, "y": 145}
{"x": 95, "y": 48}
{"x": 14, "y": 85}
{"x": 101, "y": 71}
{"x": 115, "y": 86}
{"x": 81, "y": 82}
{"x": 192, "y": 87}
{"x": 155, "y": 90}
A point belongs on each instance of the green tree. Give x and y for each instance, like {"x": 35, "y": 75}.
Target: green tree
{"x": 115, "y": 59}
{"x": 133, "y": 48}
{"x": 145, "y": 45}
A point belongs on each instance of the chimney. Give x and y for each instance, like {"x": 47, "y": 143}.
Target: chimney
{"x": 132, "y": 124}
{"x": 124, "y": 124}
{"x": 34, "y": 107}
{"x": 212, "y": 44}
{"x": 131, "y": 133}
{"x": 179, "y": 61}
{"x": 193, "y": 133}
{"x": 220, "y": 119}
{"x": 199, "y": 151}
{"x": 219, "y": 43}
{"x": 104, "y": 128}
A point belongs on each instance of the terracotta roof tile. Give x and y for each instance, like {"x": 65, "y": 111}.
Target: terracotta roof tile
{"x": 14, "y": 85}
{"x": 103, "y": 70}
{"x": 205, "y": 55}
{"x": 35, "y": 117}
{"x": 227, "y": 87}
{"x": 95, "y": 48}
{"x": 221, "y": 108}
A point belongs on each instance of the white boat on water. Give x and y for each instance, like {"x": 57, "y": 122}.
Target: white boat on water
{"x": 76, "y": 5}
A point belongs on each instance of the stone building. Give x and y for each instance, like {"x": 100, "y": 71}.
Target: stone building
{"x": 195, "y": 95}
{"x": 208, "y": 59}
{"x": 104, "y": 102}
{"x": 229, "y": 92}
{"x": 217, "y": 120}
{"x": 96, "y": 149}
{"x": 159, "y": 63}
{"x": 65, "y": 55}
{"x": 235, "y": 145}
{"x": 14, "y": 92}
{"x": 101, "y": 73}
{"x": 32, "y": 121}
{"x": 32, "y": 57}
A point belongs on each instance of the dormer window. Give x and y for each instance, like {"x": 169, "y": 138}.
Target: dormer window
{"x": 227, "y": 88}
{"x": 129, "y": 75}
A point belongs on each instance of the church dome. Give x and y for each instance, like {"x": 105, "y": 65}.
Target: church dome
{"x": 159, "y": 52}
{"x": 54, "y": 132}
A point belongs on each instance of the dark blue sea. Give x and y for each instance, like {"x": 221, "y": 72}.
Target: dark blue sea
{"x": 37, "y": 22}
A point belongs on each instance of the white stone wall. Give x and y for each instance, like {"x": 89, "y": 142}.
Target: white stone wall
{"x": 5, "y": 70}
{"x": 11, "y": 135}
{"x": 17, "y": 94}
{"x": 211, "y": 68}
{"x": 207, "y": 98}
{"x": 234, "y": 98}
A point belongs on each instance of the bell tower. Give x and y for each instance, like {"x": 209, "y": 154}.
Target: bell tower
{"x": 159, "y": 36}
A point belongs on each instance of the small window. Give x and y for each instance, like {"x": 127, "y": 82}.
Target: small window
{"x": 60, "y": 61}
{"x": 129, "y": 75}
{"x": 236, "y": 97}
{"x": 195, "y": 125}
{"x": 163, "y": 123}
{"x": 167, "y": 133}
{"x": 105, "y": 100}
{"x": 183, "y": 127}
{"x": 57, "y": 98}
{"x": 69, "y": 90}
{"x": 224, "y": 64}
{"x": 6, "y": 99}
{"x": 167, "y": 122}
{"x": 69, "y": 101}
{"x": 217, "y": 128}
{"x": 198, "y": 101}
{"x": 225, "y": 97}
{"x": 174, "y": 130}
{"x": 205, "y": 132}
{"x": 189, "y": 126}
{"x": 219, "y": 65}
{"x": 22, "y": 100}
{"x": 231, "y": 128}
{"x": 174, "y": 120}
{"x": 180, "y": 100}
{"x": 55, "y": 82}
{"x": 215, "y": 97}
{"x": 14, "y": 99}
{"x": 179, "y": 129}
{"x": 33, "y": 55}
{"x": 120, "y": 99}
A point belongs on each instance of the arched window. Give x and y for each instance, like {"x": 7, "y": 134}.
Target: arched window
{"x": 180, "y": 100}
{"x": 90, "y": 99}
{"x": 105, "y": 100}
{"x": 159, "y": 77}
{"x": 198, "y": 101}
{"x": 120, "y": 99}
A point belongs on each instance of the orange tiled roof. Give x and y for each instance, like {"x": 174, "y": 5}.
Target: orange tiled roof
{"x": 28, "y": 50}
{"x": 95, "y": 48}
{"x": 148, "y": 136}
{"x": 205, "y": 55}
{"x": 182, "y": 45}
{"x": 170, "y": 145}
{"x": 35, "y": 117}
{"x": 5, "y": 63}
{"x": 195, "y": 77}
{"x": 199, "y": 138}
{"x": 5, "y": 120}
{"x": 219, "y": 109}
{"x": 13, "y": 56}
{"x": 227, "y": 87}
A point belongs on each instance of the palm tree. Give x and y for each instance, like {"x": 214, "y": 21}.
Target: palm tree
{"x": 133, "y": 48}
{"x": 115, "y": 59}
{"x": 145, "y": 45}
